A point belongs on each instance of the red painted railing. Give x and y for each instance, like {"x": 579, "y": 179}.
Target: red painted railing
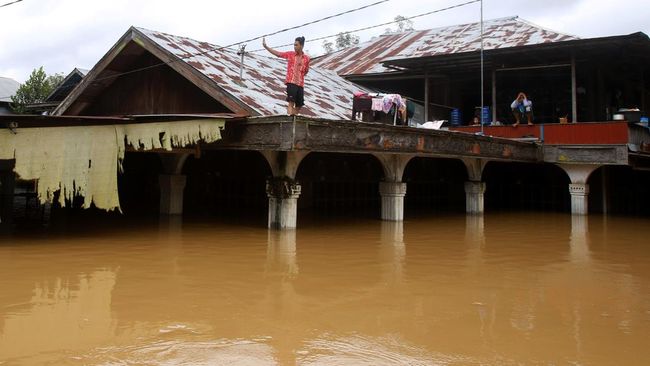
{"x": 582, "y": 133}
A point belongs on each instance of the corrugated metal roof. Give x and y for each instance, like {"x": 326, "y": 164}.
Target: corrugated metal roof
{"x": 366, "y": 58}
{"x": 327, "y": 95}
{"x": 8, "y": 88}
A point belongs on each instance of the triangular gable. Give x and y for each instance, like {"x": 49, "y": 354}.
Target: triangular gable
{"x": 67, "y": 85}
{"x": 133, "y": 43}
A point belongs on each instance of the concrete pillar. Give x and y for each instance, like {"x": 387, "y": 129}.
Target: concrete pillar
{"x": 392, "y": 200}
{"x": 579, "y": 198}
{"x": 474, "y": 193}
{"x": 283, "y": 190}
{"x": 579, "y": 189}
{"x": 392, "y": 191}
{"x": 172, "y": 187}
{"x": 283, "y": 196}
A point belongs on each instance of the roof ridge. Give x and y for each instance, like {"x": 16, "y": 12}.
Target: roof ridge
{"x": 545, "y": 28}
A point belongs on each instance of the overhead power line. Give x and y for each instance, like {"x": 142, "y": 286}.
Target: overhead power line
{"x": 219, "y": 48}
{"x": 285, "y": 30}
{"x": 10, "y": 3}
{"x": 380, "y": 25}
{"x": 238, "y": 43}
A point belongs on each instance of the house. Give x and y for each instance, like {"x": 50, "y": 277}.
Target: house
{"x": 8, "y": 88}
{"x": 586, "y": 79}
{"x": 149, "y": 72}
{"x": 58, "y": 94}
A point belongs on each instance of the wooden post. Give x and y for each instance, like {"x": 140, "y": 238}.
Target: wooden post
{"x": 605, "y": 189}
{"x": 494, "y": 95}
{"x": 426, "y": 96}
{"x": 7, "y": 182}
{"x": 642, "y": 81}
{"x": 574, "y": 92}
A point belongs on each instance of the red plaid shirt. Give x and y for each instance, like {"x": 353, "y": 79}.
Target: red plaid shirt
{"x": 297, "y": 68}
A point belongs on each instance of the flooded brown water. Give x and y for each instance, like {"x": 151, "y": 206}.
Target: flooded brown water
{"x": 504, "y": 290}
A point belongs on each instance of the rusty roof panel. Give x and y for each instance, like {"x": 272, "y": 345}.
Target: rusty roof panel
{"x": 327, "y": 95}
{"x": 367, "y": 57}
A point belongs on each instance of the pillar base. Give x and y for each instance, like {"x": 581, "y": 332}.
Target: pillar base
{"x": 171, "y": 193}
{"x": 392, "y": 200}
{"x": 283, "y": 196}
{"x": 474, "y": 194}
{"x": 579, "y": 198}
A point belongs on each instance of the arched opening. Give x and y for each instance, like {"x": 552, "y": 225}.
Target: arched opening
{"x": 621, "y": 190}
{"x": 531, "y": 187}
{"x": 226, "y": 183}
{"x": 340, "y": 184}
{"x": 435, "y": 185}
{"x": 138, "y": 185}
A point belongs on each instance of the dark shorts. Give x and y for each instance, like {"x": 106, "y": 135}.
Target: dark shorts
{"x": 518, "y": 114}
{"x": 296, "y": 94}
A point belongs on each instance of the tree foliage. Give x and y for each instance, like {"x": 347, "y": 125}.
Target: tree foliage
{"x": 35, "y": 90}
{"x": 343, "y": 40}
{"x": 403, "y": 25}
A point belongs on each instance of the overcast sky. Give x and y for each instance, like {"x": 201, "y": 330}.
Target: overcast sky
{"x": 63, "y": 34}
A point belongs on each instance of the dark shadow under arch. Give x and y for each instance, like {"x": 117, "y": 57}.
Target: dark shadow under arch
{"x": 138, "y": 185}
{"x": 526, "y": 187}
{"x": 339, "y": 183}
{"x": 628, "y": 190}
{"x": 435, "y": 185}
{"x": 226, "y": 183}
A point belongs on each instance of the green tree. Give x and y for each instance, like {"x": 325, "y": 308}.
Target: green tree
{"x": 328, "y": 46}
{"x": 35, "y": 89}
{"x": 343, "y": 40}
{"x": 403, "y": 25}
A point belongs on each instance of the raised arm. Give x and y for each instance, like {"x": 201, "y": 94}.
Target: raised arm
{"x": 274, "y": 52}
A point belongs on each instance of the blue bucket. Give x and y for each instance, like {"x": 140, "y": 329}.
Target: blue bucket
{"x": 486, "y": 116}
{"x": 455, "y": 119}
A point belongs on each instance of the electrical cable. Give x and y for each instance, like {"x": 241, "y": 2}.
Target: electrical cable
{"x": 285, "y": 30}
{"x": 233, "y": 44}
{"x": 10, "y": 3}
{"x": 380, "y": 25}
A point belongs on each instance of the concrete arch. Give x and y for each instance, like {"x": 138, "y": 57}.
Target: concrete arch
{"x": 284, "y": 164}
{"x": 138, "y": 185}
{"x": 525, "y": 186}
{"x": 340, "y": 182}
{"x": 226, "y": 183}
{"x": 436, "y": 184}
{"x": 579, "y": 189}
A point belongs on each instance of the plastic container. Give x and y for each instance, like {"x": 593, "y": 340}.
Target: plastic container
{"x": 486, "y": 116}
{"x": 455, "y": 119}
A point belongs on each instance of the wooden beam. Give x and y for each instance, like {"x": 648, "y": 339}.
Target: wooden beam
{"x": 427, "y": 97}
{"x": 494, "y": 95}
{"x": 574, "y": 92}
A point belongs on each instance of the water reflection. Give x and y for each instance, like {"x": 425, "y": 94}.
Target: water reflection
{"x": 281, "y": 253}
{"x": 579, "y": 239}
{"x": 393, "y": 250}
{"x": 60, "y": 315}
{"x": 504, "y": 289}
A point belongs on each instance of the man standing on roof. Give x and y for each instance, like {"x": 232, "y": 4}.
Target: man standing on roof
{"x": 297, "y": 68}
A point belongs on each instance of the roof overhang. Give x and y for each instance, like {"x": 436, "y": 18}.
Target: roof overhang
{"x": 100, "y": 77}
{"x": 636, "y": 45}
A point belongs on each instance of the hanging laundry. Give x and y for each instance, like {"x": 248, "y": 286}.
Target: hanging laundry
{"x": 392, "y": 99}
{"x": 378, "y": 104}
